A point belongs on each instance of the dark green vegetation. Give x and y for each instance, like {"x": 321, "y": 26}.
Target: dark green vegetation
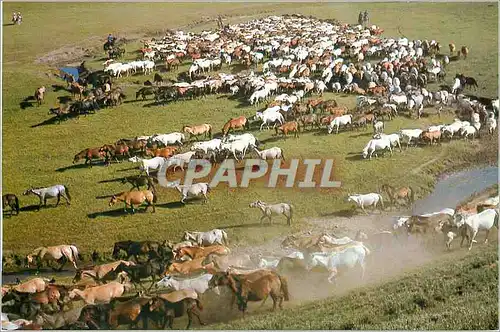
{"x": 41, "y": 156}
{"x": 458, "y": 292}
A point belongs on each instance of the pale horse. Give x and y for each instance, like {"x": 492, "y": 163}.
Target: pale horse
{"x": 349, "y": 257}
{"x": 61, "y": 254}
{"x": 269, "y": 209}
{"x": 199, "y": 284}
{"x": 362, "y": 200}
{"x": 43, "y": 194}
{"x": 481, "y": 221}
{"x": 147, "y": 164}
{"x": 215, "y": 236}
{"x": 373, "y": 145}
{"x": 193, "y": 190}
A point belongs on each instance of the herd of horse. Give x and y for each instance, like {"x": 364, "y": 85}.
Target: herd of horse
{"x": 308, "y": 58}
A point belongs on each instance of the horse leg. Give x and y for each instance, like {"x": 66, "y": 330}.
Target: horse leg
{"x": 472, "y": 239}
{"x": 58, "y": 199}
{"x": 262, "y": 218}
{"x": 486, "y": 239}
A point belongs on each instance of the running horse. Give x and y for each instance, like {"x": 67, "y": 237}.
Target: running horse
{"x": 236, "y": 123}
{"x": 61, "y": 254}
{"x": 394, "y": 194}
{"x": 198, "y": 130}
{"x": 12, "y": 201}
{"x": 135, "y": 248}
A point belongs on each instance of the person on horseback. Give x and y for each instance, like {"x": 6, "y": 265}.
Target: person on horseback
{"x": 360, "y": 18}
{"x": 111, "y": 39}
{"x": 365, "y": 17}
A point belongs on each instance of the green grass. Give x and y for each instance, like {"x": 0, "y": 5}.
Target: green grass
{"x": 31, "y": 156}
{"x": 456, "y": 292}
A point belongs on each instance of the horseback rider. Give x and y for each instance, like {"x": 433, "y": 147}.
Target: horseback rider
{"x": 360, "y": 18}
{"x": 365, "y": 17}
{"x": 111, "y": 39}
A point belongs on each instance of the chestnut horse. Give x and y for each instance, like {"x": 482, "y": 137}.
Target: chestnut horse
{"x": 198, "y": 252}
{"x": 198, "y": 130}
{"x": 90, "y": 154}
{"x": 165, "y": 152}
{"x": 115, "y": 150}
{"x": 135, "y": 197}
{"x": 292, "y": 126}
{"x": 236, "y": 123}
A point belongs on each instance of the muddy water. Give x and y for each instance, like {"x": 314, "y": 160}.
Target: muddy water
{"x": 451, "y": 190}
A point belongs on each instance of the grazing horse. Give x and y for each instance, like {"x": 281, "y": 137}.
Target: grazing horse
{"x": 135, "y": 197}
{"x": 236, "y": 123}
{"x": 269, "y": 209}
{"x": 401, "y": 193}
{"x": 62, "y": 254}
{"x": 198, "y": 130}
{"x": 12, "y": 201}
{"x": 57, "y": 190}
{"x": 90, "y": 154}
{"x": 39, "y": 94}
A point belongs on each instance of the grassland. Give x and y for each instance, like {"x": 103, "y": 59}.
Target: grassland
{"x": 42, "y": 155}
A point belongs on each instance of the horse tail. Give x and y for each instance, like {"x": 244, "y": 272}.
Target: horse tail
{"x": 367, "y": 251}
{"x": 198, "y": 304}
{"x": 66, "y": 190}
{"x": 291, "y": 214}
{"x": 412, "y": 194}
{"x": 208, "y": 188}
{"x": 495, "y": 222}
{"x": 224, "y": 237}
{"x": 282, "y": 155}
{"x": 76, "y": 254}
{"x": 284, "y": 288}
{"x": 16, "y": 204}
{"x": 381, "y": 201}
{"x": 209, "y": 131}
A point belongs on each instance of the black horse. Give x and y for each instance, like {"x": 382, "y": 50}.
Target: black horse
{"x": 152, "y": 249}
{"x": 139, "y": 180}
{"x": 467, "y": 81}
{"x": 12, "y": 201}
{"x": 153, "y": 268}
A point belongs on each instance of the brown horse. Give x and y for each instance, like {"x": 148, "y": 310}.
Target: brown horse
{"x": 165, "y": 152}
{"x": 39, "y": 94}
{"x": 465, "y": 51}
{"x": 198, "y": 130}
{"x": 135, "y": 197}
{"x": 172, "y": 64}
{"x": 89, "y": 154}
{"x": 76, "y": 89}
{"x": 236, "y": 123}
{"x": 199, "y": 252}
{"x": 406, "y": 193}
{"x": 12, "y": 201}
{"x": 114, "y": 150}
{"x": 419, "y": 224}
{"x": 292, "y": 126}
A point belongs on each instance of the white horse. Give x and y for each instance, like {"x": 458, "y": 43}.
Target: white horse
{"x": 238, "y": 146}
{"x": 362, "y": 200}
{"x": 193, "y": 190}
{"x": 481, "y": 221}
{"x": 378, "y": 127}
{"x": 269, "y": 209}
{"x": 215, "y": 236}
{"x": 271, "y": 153}
{"x": 147, "y": 164}
{"x": 205, "y": 146}
{"x": 198, "y": 284}
{"x": 343, "y": 120}
{"x": 377, "y": 144}
{"x": 349, "y": 257}
{"x": 169, "y": 139}
{"x": 57, "y": 190}
{"x": 270, "y": 118}
{"x": 410, "y": 134}
{"x": 259, "y": 95}
{"x": 393, "y": 138}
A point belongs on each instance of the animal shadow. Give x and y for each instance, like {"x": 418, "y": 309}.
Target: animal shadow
{"x": 355, "y": 157}
{"x": 255, "y": 224}
{"x": 58, "y": 87}
{"x": 171, "y": 205}
{"x": 27, "y": 102}
{"x": 80, "y": 166}
{"x": 112, "y": 213}
{"x": 51, "y": 121}
{"x": 64, "y": 99}
{"x": 341, "y": 213}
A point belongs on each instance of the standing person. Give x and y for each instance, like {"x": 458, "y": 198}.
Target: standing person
{"x": 111, "y": 39}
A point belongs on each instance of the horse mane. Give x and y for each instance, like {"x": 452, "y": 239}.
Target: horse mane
{"x": 36, "y": 252}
